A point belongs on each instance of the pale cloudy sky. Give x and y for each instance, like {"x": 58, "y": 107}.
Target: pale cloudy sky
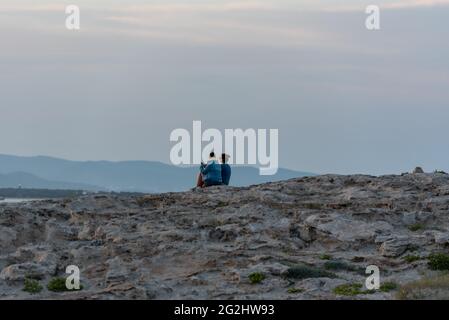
{"x": 344, "y": 99}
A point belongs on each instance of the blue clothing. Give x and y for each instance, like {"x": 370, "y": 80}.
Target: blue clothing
{"x": 225, "y": 173}
{"x": 211, "y": 173}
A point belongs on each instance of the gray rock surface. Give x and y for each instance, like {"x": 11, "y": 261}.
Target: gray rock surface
{"x": 204, "y": 244}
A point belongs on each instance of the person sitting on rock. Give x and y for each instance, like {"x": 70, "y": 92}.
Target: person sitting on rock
{"x": 225, "y": 169}
{"x": 210, "y": 173}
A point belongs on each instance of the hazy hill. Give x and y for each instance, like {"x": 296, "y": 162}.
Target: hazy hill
{"x": 27, "y": 180}
{"x": 143, "y": 176}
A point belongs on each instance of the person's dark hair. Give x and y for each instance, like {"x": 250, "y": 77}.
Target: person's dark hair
{"x": 212, "y": 154}
{"x": 223, "y": 158}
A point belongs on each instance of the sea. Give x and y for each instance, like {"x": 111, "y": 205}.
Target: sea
{"x": 17, "y": 200}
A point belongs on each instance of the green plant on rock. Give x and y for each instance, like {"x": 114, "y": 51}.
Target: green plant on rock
{"x": 313, "y": 206}
{"x": 58, "y": 285}
{"x": 325, "y": 257}
{"x": 416, "y": 227}
{"x": 351, "y": 289}
{"x": 256, "y": 277}
{"x": 305, "y": 272}
{"x": 32, "y": 286}
{"x": 388, "y": 286}
{"x": 337, "y": 265}
{"x": 438, "y": 261}
{"x": 348, "y": 289}
{"x": 411, "y": 258}
{"x": 222, "y": 204}
{"x": 295, "y": 290}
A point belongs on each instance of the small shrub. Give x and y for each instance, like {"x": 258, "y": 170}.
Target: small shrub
{"x": 339, "y": 266}
{"x": 256, "y": 277}
{"x": 411, "y": 258}
{"x": 351, "y": 289}
{"x": 325, "y": 257}
{"x": 388, "y": 286}
{"x": 58, "y": 285}
{"x": 438, "y": 261}
{"x": 416, "y": 227}
{"x": 313, "y": 206}
{"x": 221, "y": 204}
{"x": 32, "y": 286}
{"x": 294, "y": 290}
{"x": 358, "y": 259}
{"x": 305, "y": 272}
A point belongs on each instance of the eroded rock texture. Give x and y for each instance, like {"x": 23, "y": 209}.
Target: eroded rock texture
{"x": 204, "y": 244}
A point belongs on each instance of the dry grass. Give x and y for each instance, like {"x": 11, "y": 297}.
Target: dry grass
{"x": 428, "y": 288}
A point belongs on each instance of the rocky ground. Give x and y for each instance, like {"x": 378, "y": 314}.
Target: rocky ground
{"x": 307, "y": 238}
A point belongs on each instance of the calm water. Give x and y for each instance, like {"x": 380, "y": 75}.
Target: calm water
{"x": 17, "y": 200}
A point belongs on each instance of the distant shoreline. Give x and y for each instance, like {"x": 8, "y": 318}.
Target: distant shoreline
{"x": 25, "y": 193}
{"x": 31, "y": 193}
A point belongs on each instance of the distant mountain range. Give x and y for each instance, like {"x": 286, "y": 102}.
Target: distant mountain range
{"x": 130, "y": 176}
{"x": 27, "y": 180}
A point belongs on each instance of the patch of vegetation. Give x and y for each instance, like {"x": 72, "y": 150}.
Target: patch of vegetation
{"x": 305, "y": 272}
{"x": 58, "y": 285}
{"x": 221, "y": 204}
{"x": 256, "y": 277}
{"x": 388, "y": 286}
{"x": 349, "y": 289}
{"x": 411, "y": 258}
{"x": 325, "y": 257}
{"x": 416, "y": 227}
{"x": 438, "y": 261}
{"x": 337, "y": 265}
{"x": 295, "y": 290}
{"x": 313, "y": 206}
{"x": 32, "y": 286}
{"x": 433, "y": 288}
{"x": 141, "y": 201}
{"x": 358, "y": 259}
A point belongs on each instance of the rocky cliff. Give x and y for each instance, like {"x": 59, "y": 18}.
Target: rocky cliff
{"x": 308, "y": 238}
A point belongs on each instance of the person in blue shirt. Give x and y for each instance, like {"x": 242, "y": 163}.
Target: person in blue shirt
{"x": 225, "y": 169}
{"x": 210, "y": 173}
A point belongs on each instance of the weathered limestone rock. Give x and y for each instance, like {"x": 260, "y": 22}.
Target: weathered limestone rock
{"x": 441, "y": 237}
{"x": 347, "y": 229}
{"x": 205, "y": 244}
{"x": 398, "y": 245}
{"x": 418, "y": 170}
{"x": 18, "y": 272}
{"x": 7, "y": 238}
{"x": 394, "y": 247}
{"x": 409, "y": 218}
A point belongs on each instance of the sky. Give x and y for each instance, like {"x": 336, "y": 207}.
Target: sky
{"x": 344, "y": 99}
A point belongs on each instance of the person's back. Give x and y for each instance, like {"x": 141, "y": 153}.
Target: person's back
{"x": 212, "y": 173}
{"x": 225, "y": 169}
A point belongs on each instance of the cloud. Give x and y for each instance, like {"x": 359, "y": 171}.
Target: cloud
{"x": 17, "y": 8}
{"x": 384, "y": 5}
